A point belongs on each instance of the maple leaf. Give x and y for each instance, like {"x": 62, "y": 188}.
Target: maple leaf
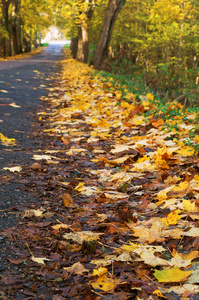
{"x": 172, "y": 275}
{"x": 144, "y": 234}
{"x": 188, "y": 205}
{"x": 171, "y": 219}
{"x": 182, "y": 261}
{"x": 150, "y": 259}
{"x": 186, "y": 151}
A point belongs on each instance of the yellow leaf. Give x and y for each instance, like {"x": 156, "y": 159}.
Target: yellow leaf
{"x": 172, "y": 275}
{"x": 79, "y": 186}
{"x": 139, "y": 120}
{"x": 188, "y": 206}
{"x": 150, "y": 96}
{"x": 99, "y": 272}
{"x": 172, "y": 218}
{"x": 159, "y": 294}
{"x": 6, "y": 141}
{"x": 105, "y": 283}
{"x": 188, "y": 151}
{"x": 181, "y": 187}
{"x": 162, "y": 195}
{"x": 129, "y": 248}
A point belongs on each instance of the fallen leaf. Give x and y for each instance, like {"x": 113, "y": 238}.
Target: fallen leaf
{"x": 186, "y": 289}
{"x": 7, "y": 141}
{"x": 81, "y": 236}
{"x": 182, "y": 261}
{"x": 67, "y": 199}
{"x": 172, "y": 275}
{"x": 188, "y": 205}
{"x": 32, "y": 213}
{"x": 39, "y": 260}
{"x": 105, "y": 283}
{"x": 77, "y": 268}
{"x": 99, "y": 272}
{"x": 13, "y": 169}
{"x": 14, "y": 105}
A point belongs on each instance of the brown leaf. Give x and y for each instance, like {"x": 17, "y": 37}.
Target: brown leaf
{"x": 17, "y": 261}
{"x": 67, "y": 199}
{"x": 77, "y": 268}
{"x": 36, "y": 167}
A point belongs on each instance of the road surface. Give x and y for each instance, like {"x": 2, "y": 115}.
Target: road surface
{"x": 22, "y": 82}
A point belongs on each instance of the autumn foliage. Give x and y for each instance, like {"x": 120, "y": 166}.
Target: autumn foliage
{"x": 119, "y": 183}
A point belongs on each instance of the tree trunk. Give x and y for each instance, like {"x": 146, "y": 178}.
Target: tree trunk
{"x": 6, "y": 41}
{"x": 101, "y": 51}
{"x": 35, "y": 40}
{"x": 83, "y": 38}
{"x": 83, "y": 44}
{"x": 80, "y": 45}
{"x": 16, "y": 26}
{"x": 74, "y": 47}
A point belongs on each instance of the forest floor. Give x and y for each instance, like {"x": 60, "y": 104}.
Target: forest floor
{"x": 115, "y": 182}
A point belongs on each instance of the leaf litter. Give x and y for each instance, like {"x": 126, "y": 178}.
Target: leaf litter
{"x": 117, "y": 184}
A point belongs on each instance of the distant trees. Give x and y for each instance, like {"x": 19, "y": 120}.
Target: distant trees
{"x": 159, "y": 38}
{"x": 20, "y": 24}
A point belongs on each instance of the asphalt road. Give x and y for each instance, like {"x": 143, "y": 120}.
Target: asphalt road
{"x": 22, "y": 82}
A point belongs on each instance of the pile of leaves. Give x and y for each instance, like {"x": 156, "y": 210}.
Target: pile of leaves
{"x": 117, "y": 183}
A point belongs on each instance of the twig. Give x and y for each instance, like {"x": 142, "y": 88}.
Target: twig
{"x": 29, "y": 249}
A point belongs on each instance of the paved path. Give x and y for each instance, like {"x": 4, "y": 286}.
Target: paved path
{"x": 22, "y": 82}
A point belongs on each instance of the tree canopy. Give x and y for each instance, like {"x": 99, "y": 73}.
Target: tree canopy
{"x": 158, "y": 37}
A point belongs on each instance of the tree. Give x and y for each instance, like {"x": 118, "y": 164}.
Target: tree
{"x": 16, "y": 26}
{"x": 101, "y": 51}
{"x": 5, "y": 4}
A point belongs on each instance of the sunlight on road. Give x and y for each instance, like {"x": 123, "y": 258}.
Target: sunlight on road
{"x": 59, "y": 42}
